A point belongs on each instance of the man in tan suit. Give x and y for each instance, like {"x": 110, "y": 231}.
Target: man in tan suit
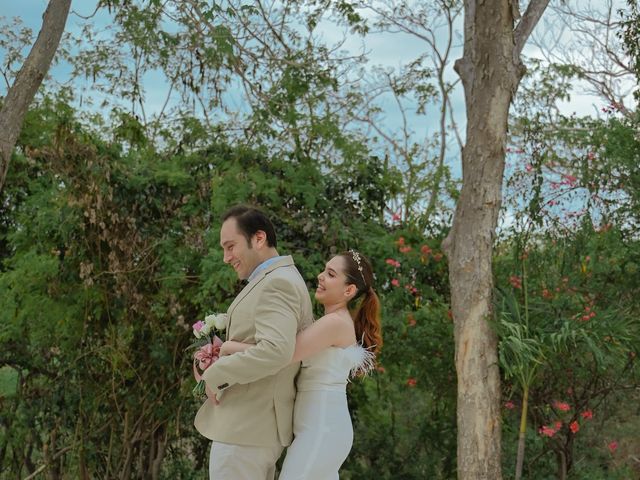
{"x": 253, "y": 421}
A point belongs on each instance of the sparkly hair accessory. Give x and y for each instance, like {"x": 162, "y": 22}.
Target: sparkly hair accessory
{"x": 356, "y": 258}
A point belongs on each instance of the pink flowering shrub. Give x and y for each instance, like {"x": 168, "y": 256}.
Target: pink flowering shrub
{"x": 586, "y": 327}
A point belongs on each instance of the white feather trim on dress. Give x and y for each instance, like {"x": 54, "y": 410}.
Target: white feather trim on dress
{"x": 364, "y": 360}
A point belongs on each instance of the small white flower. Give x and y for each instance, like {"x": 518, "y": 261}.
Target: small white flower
{"x": 197, "y": 333}
{"x": 206, "y": 328}
{"x": 216, "y": 321}
{"x": 220, "y": 321}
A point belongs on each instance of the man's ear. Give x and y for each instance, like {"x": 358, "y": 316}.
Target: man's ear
{"x": 261, "y": 238}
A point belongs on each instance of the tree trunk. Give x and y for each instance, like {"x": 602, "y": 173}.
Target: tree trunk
{"x": 161, "y": 448}
{"x": 562, "y": 465}
{"x": 522, "y": 433}
{"x": 28, "y": 80}
{"x": 490, "y": 70}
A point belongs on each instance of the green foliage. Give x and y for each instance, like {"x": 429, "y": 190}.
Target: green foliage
{"x": 13, "y": 42}
{"x": 570, "y": 257}
{"x": 110, "y": 252}
{"x": 563, "y": 166}
{"x": 8, "y": 381}
{"x": 630, "y": 35}
{"x": 520, "y": 352}
{"x": 109, "y": 245}
{"x": 405, "y": 420}
{"x": 578, "y": 343}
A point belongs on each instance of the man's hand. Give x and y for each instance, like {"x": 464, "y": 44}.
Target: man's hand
{"x": 226, "y": 349}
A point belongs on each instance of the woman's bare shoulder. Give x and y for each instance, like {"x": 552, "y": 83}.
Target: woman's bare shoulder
{"x": 341, "y": 324}
{"x": 336, "y": 318}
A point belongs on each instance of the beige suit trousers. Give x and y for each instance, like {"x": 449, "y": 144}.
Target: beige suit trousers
{"x": 242, "y": 462}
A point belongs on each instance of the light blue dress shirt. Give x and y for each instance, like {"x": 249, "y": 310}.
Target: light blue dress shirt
{"x": 264, "y": 265}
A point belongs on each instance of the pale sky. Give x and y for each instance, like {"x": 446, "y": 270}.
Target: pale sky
{"x": 390, "y": 50}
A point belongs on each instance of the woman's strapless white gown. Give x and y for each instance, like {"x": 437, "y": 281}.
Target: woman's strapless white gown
{"x": 322, "y": 428}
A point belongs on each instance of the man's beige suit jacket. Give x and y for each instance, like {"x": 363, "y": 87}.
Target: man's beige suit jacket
{"x": 258, "y": 384}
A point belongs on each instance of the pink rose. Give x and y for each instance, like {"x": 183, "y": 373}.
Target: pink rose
{"x": 208, "y": 354}
{"x": 198, "y": 325}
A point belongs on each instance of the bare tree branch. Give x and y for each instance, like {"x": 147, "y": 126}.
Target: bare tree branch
{"x": 29, "y": 78}
{"x": 530, "y": 19}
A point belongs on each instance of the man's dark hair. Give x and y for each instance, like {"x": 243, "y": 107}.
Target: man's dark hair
{"x": 250, "y": 220}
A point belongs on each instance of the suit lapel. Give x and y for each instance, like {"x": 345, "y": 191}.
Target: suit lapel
{"x": 283, "y": 262}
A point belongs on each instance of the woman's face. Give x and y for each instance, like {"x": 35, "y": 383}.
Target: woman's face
{"x": 332, "y": 283}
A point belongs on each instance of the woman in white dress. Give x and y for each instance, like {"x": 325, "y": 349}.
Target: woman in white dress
{"x": 335, "y": 347}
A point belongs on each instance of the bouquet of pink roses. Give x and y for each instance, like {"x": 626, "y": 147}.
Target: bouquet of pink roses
{"x": 208, "y": 347}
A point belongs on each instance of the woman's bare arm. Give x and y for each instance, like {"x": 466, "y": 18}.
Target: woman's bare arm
{"x": 328, "y": 331}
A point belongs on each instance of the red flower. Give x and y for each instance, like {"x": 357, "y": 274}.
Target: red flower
{"x": 411, "y": 382}
{"x": 562, "y": 406}
{"x": 589, "y": 315}
{"x": 613, "y": 446}
{"x": 405, "y": 249}
{"x": 587, "y": 414}
{"x": 547, "y": 431}
{"x": 437, "y": 257}
{"x": 410, "y": 288}
{"x": 425, "y": 249}
{"x": 510, "y": 405}
{"x": 400, "y": 241}
{"x": 574, "y": 426}
{"x": 392, "y": 262}
{"x": 395, "y": 217}
{"x": 395, "y": 282}
{"x": 546, "y": 293}
{"x": 515, "y": 281}
{"x": 411, "y": 320}
{"x": 569, "y": 179}
{"x": 558, "y": 426}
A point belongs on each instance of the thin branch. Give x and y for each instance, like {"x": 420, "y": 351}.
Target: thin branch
{"x": 530, "y": 19}
{"x": 87, "y": 17}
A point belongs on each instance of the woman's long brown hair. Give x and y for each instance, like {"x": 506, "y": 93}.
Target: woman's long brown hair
{"x": 366, "y": 318}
